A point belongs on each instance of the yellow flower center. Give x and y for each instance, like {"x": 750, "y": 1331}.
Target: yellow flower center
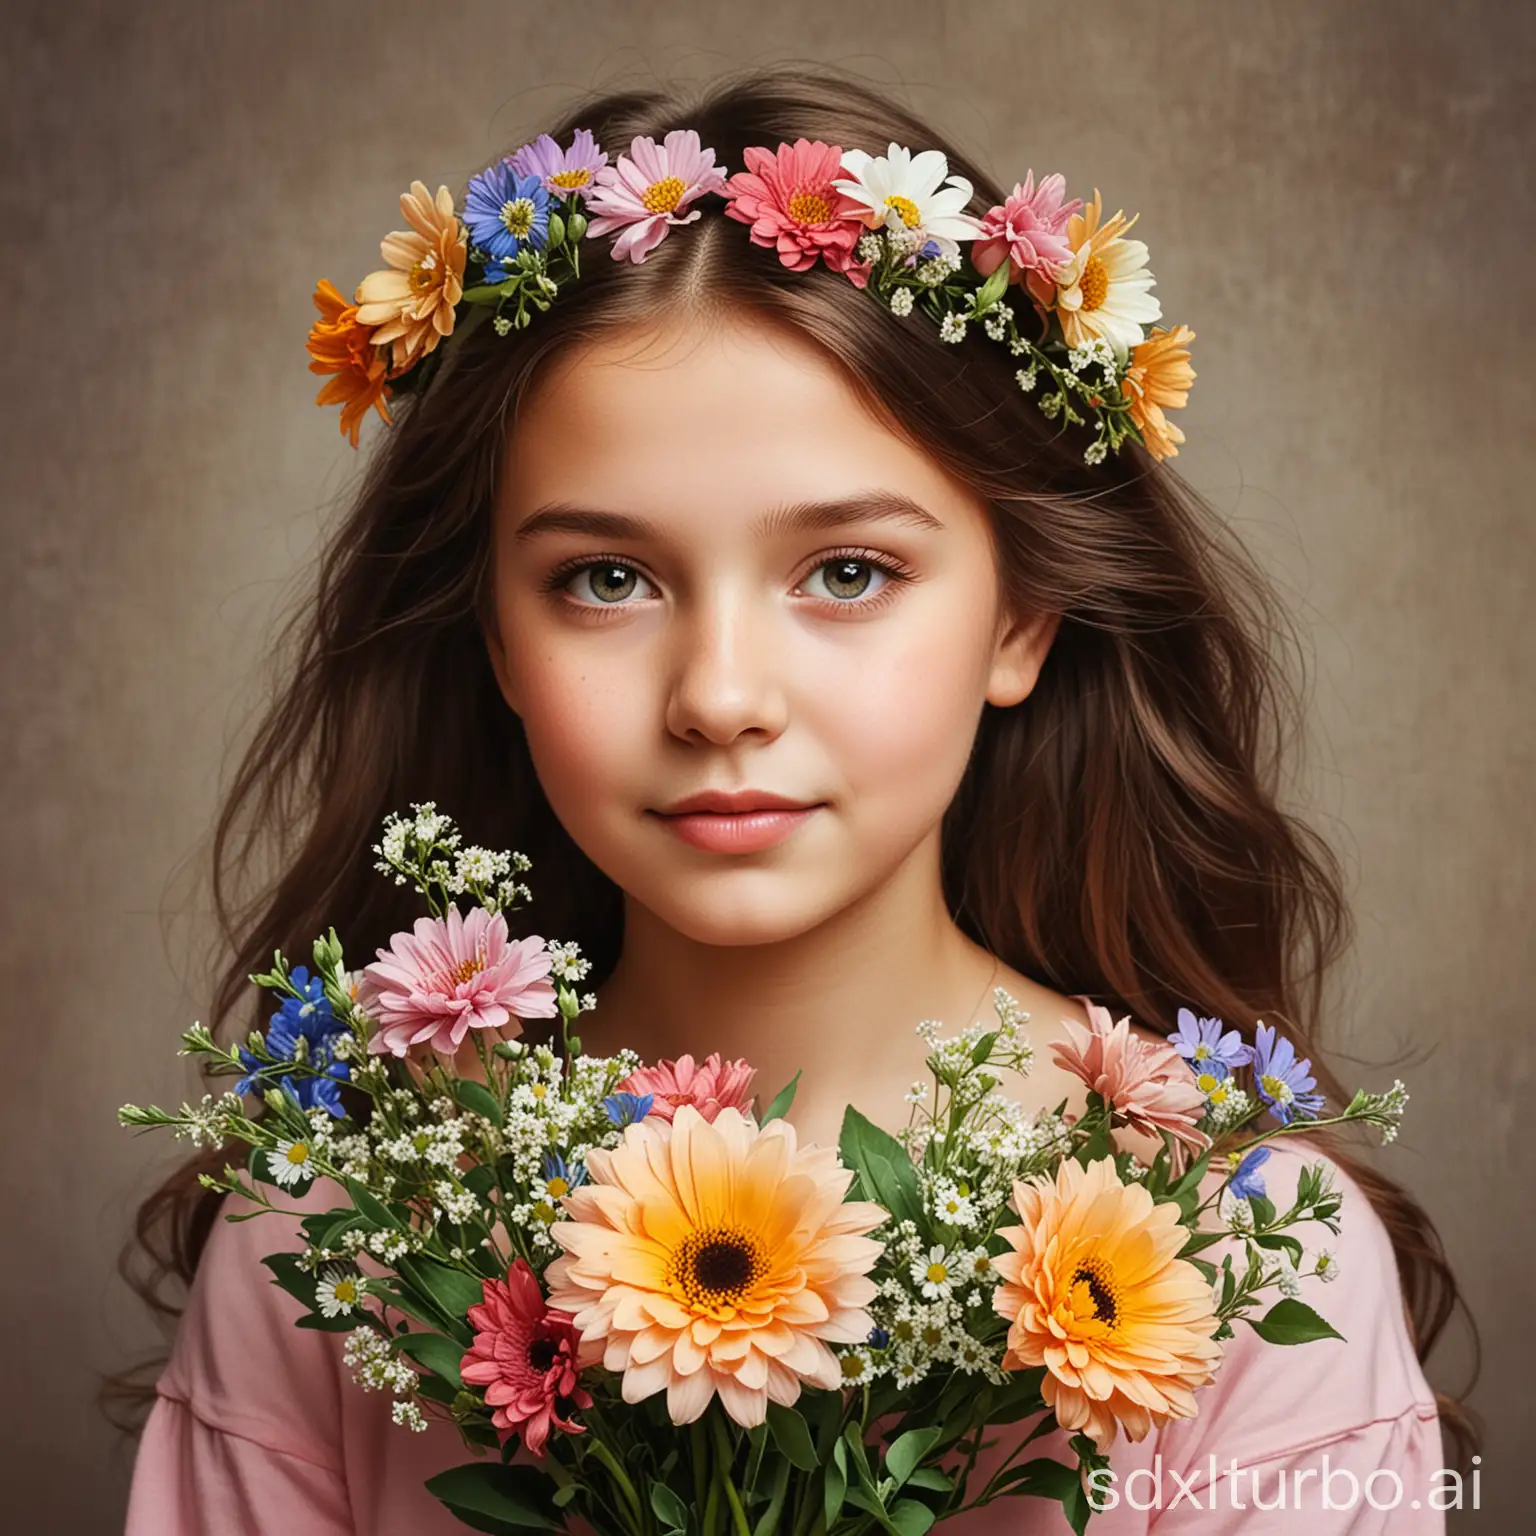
{"x": 297, "y": 1154}
{"x": 557, "y": 1187}
{"x": 424, "y": 275}
{"x": 1220, "y": 1093}
{"x": 933, "y": 1335}
{"x": 853, "y": 1365}
{"x": 1093, "y": 1292}
{"x": 540, "y": 1089}
{"x": 810, "y": 208}
{"x": 569, "y": 181}
{"x": 466, "y": 970}
{"x": 904, "y": 1331}
{"x": 664, "y": 195}
{"x": 906, "y": 208}
{"x": 517, "y": 216}
{"x": 345, "y": 1291}
{"x": 938, "y": 1273}
{"x": 544, "y": 1212}
{"x": 1207, "y": 1082}
{"x": 717, "y": 1267}
{"x": 1094, "y": 282}
{"x": 1277, "y": 1088}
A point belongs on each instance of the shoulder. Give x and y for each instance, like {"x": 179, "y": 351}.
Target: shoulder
{"x": 1269, "y": 1399}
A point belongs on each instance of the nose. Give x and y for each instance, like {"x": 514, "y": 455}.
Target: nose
{"x": 725, "y": 671}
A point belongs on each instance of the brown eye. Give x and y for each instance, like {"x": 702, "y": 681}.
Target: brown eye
{"x": 845, "y": 577}
{"x": 606, "y": 580}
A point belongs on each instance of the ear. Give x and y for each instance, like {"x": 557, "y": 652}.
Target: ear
{"x": 1021, "y": 652}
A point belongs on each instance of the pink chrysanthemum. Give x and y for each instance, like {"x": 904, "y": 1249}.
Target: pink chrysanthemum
{"x": 527, "y": 1356}
{"x": 645, "y": 192}
{"x": 452, "y": 975}
{"x": 710, "y": 1088}
{"x": 1148, "y": 1085}
{"x": 1029, "y": 228}
{"x": 789, "y": 200}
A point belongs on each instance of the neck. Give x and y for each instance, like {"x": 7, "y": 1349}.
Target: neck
{"x": 829, "y": 997}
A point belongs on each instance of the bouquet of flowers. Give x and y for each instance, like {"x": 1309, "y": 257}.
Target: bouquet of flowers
{"x": 647, "y": 1307}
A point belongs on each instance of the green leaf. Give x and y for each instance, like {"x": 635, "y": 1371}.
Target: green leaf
{"x": 992, "y": 290}
{"x": 477, "y": 1098}
{"x": 906, "y": 1452}
{"x": 519, "y": 1498}
{"x": 884, "y": 1168}
{"x": 930, "y": 1478}
{"x": 486, "y": 293}
{"x": 372, "y": 1209}
{"x": 778, "y": 1105}
{"x": 668, "y": 1508}
{"x": 792, "y": 1437}
{"x": 908, "y": 1516}
{"x": 453, "y": 1290}
{"x": 1291, "y": 1322}
{"x": 1281, "y": 1242}
{"x": 983, "y": 1048}
{"x": 1263, "y": 1211}
{"x": 834, "y": 1490}
{"x": 440, "y": 1356}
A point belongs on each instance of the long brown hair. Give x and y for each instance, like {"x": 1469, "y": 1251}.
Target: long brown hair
{"x": 1119, "y": 833}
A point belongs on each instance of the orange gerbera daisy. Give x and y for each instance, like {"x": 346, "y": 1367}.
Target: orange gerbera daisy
{"x": 411, "y": 302}
{"x": 338, "y": 344}
{"x": 716, "y": 1257}
{"x": 1095, "y": 1293}
{"x": 1158, "y": 380}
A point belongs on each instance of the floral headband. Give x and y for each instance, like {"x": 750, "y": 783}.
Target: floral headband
{"x": 894, "y": 225}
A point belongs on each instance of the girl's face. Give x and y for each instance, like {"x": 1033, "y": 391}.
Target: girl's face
{"x": 715, "y": 571}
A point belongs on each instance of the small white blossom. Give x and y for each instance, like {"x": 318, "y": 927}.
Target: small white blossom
{"x": 1327, "y": 1265}
{"x": 290, "y": 1163}
{"x": 901, "y": 302}
{"x": 338, "y": 1293}
{"x": 952, "y": 329}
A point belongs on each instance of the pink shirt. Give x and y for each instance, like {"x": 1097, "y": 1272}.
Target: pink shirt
{"x": 259, "y": 1429}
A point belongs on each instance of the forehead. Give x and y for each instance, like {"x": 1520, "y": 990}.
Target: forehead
{"x": 709, "y": 417}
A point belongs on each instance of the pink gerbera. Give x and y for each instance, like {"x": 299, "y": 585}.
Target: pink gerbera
{"x": 527, "y": 1356}
{"x": 453, "y": 975}
{"x": 1148, "y": 1085}
{"x": 644, "y": 192}
{"x": 710, "y": 1088}
{"x": 789, "y": 200}
{"x": 1029, "y": 228}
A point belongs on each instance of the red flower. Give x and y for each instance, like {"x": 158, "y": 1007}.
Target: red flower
{"x": 527, "y": 1356}
{"x": 789, "y": 200}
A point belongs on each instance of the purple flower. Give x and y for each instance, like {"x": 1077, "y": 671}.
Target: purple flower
{"x": 1203, "y": 1045}
{"x": 561, "y": 171}
{"x": 1248, "y": 1183}
{"x": 1284, "y": 1083}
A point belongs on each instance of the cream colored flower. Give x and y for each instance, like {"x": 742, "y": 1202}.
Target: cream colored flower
{"x": 714, "y": 1257}
{"x": 1104, "y": 288}
{"x": 410, "y": 303}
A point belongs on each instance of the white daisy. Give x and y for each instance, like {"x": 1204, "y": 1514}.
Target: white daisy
{"x": 290, "y": 1163}
{"x": 338, "y": 1293}
{"x": 912, "y": 194}
{"x": 934, "y": 1273}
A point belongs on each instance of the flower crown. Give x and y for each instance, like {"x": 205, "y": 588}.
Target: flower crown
{"x": 894, "y": 225}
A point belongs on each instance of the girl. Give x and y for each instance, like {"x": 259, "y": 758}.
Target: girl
{"x": 710, "y": 538}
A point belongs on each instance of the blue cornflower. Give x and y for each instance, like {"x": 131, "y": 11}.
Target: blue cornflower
{"x": 506, "y": 213}
{"x": 1247, "y": 1183}
{"x": 307, "y": 1018}
{"x": 1284, "y": 1083}
{"x": 626, "y": 1108}
{"x": 1206, "y": 1048}
{"x": 320, "y": 1092}
{"x": 561, "y": 1177}
{"x": 878, "y": 1338}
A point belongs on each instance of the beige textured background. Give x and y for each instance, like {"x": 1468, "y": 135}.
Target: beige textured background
{"x": 1338, "y": 199}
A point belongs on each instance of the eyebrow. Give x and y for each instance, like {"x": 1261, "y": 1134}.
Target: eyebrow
{"x": 791, "y": 517}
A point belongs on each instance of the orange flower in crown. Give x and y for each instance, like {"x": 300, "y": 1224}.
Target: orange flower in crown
{"x": 411, "y": 302}
{"x": 338, "y": 344}
{"x": 1158, "y": 380}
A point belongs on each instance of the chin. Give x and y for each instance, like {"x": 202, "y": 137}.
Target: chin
{"x": 746, "y": 907}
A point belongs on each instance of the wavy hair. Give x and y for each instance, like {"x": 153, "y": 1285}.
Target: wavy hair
{"x": 1118, "y": 833}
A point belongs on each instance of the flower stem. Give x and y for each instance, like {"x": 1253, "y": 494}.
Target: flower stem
{"x": 725, "y": 1455}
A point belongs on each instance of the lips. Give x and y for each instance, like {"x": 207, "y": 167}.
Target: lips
{"x": 735, "y": 802}
{"x": 736, "y": 821}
